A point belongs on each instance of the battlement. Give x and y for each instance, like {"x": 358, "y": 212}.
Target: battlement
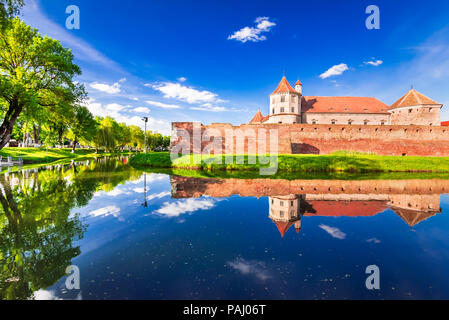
{"x": 410, "y": 140}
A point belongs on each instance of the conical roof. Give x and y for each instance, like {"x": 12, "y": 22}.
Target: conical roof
{"x": 284, "y": 87}
{"x": 413, "y": 98}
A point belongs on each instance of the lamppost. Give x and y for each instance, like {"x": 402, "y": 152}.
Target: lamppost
{"x": 145, "y": 119}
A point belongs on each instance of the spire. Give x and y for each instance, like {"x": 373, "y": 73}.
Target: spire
{"x": 284, "y": 87}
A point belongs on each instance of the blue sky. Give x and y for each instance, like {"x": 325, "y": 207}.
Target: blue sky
{"x": 217, "y": 61}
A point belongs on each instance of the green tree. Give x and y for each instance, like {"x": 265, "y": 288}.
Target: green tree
{"x": 36, "y": 75}
{"x": 83, "y": 127}
{"x": 9, "y": 9}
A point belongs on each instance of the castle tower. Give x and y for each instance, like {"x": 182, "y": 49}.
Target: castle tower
{"x": 285, "y": 103}
{"x": 285, "y": 212}
{"x": 414, "y": 108}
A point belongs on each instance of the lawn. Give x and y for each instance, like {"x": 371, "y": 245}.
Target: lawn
{"x": 42, "y": 155}
{"x": 336, "y": 162}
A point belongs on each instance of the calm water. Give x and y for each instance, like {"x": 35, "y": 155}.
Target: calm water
{"x": 154, "y": 236}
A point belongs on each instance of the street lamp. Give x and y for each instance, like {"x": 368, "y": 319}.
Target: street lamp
{"x": 145, "y": 119}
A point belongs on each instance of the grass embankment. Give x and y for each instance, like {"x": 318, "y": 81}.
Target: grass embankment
{"x": 333, "y": 163}
{"x": 42, "y": 155}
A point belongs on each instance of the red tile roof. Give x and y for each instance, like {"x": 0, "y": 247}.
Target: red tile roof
{"x": 298, "y": 83}
{"x": 283, "y": 226}
{"x": 343, "y": 105}
{"x": 258, "y": 117}
{"x": 445, "y": 123}
{"x": 413, "y": 98}
{"x": 284, "y": 87}
{"x": 346, "y": 208}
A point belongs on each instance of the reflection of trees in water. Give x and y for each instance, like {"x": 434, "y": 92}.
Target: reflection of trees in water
{"x": 37, "y": 230}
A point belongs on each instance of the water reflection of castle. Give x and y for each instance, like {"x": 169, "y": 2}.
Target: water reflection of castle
{"x": 286, "y": 211}
{"x": 290, "y": 201}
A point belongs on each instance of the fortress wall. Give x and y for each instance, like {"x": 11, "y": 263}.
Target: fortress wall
{"x": 185, "y": 187}
{"x": 325, "y": 139}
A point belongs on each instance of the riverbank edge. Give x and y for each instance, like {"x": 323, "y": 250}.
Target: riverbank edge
{"x": 46, "y": 156}
{"x": 340, "y": 162}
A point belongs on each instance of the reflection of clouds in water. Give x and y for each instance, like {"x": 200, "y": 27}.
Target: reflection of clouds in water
{"x": 106, "y": 211}
{"x": 252, "y": 268}
{"x": 158, "y": 195}
{"x": 117, "y": 192}
{"x": 45, "y": 295}
{"x": 174, "y": 209}
{"x": 373, "y": 240}
{"x": 334, "y": 232}
{"x": 42, "y": 294}
{"x": 153, "y": 177}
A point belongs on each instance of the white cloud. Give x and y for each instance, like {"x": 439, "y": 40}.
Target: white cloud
{"x": 111, "y": 110}
{"x": 134, "y": 98}
{"x": 334, "y": 232}
{"x": 184, "y": 93}
{"x": 159, "y": 195}
{"x": 116, "y": 107}
{"x": 175, "y": 209}
{"x": 335, "y": 71}
{"x": 253, "y": 268}
{"x": 254, "y": 34}
{"x": 373, "y": 240}
{"x": 42, "y": 294}
{"x": 374, "y": 63}
{"x": 182, "y": 79}
{"x": 106, "y": 211}
{"x": 141, "y": 110}
{"x": 163, "y": 105}
{"x": 111, "y": 89}
{"x": 211, "y": 108}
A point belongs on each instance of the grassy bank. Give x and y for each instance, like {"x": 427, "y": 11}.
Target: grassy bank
{"x": 336, "y": 163}
{"x": 42, "y": 155}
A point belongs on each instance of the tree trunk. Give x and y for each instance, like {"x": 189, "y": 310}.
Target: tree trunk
{"x": 74, "y": 145}
{"x": 14, "y": 110}
{"x": 36, "y": 132}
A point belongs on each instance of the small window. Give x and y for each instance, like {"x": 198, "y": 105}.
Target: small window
{"x": 272, "y": 201}
{"x": 313, "y": 121}
{"x": 349, "y": 122}
{"x": 272, "y": 111}
{"x": 281, "y": 214}
{"x": 282, "y": 109}
{"x": 291, "y": 202}
{"x": 281, "y": 203}
{"x": 282, "y": 99}
{"x": 410, "y": 110}
{"x": 365, "y": 122}
{"x": 293, "y": 110}
{"x": 333, "y": 121}
{"x": 382, "y": 122}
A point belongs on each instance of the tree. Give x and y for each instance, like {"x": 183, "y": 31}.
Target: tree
{"x": 36, "y": 74}
{"x": 8, "y": 9}
{"x": 137, "y": 136}
{"x": 83, "y": 127}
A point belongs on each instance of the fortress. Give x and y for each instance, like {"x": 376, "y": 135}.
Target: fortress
{"x": 322, "y": 125}
{"x": 290, "y": 201}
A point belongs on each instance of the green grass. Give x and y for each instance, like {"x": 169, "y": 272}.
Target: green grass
{"x": 338, "y": 162}
{"x": 42, "y": 155}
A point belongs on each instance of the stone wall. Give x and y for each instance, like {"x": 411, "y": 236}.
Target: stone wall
{"x": 418, "y": 115}
{"x": 319, "y": 139}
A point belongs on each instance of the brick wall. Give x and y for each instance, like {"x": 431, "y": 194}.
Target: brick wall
{"x": 323, "y": 139}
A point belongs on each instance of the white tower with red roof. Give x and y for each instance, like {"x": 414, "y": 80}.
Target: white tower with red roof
{"x": 285, "y": 103}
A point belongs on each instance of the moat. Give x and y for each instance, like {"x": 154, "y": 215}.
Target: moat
{"x": 137, "y": 235}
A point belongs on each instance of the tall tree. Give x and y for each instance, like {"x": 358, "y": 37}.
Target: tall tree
{"x": 36, "y": 73}
{"x": 83, "y": 127}
{"x": 8, "y": 9}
